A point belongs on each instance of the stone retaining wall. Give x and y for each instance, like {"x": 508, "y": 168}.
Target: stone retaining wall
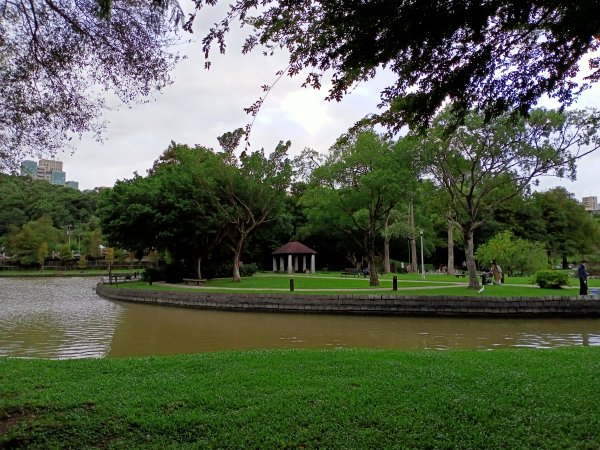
{"x": 363, "y": 304}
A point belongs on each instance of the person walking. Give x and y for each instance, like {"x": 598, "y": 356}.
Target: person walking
{"x": 583, "y": 276}
{"x": 496, "y": 272}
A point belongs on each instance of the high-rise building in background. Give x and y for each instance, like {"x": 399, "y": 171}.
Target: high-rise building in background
{"x": 46, "y": 167}
{"x": 590, "y": 203}
{"x": 50, "y": 170}
{"x": 58, "y": 177}
{"x": 29, "y": 168}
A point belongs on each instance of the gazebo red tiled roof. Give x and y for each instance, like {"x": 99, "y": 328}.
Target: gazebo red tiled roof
{"x": 294, "y": 248}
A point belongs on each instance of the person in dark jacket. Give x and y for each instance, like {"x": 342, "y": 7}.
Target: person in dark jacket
{"x": 583, "y": 276}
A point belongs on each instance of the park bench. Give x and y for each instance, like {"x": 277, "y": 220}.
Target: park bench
{"x": 195, "y": 281}
{"x": 115, "y": 277}
{"x": 459, "y": 273}
{"x": 351, "y": 271}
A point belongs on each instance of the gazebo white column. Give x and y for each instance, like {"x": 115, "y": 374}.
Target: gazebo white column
{"x": 274, "y": 263}
{"x": 303, "y": 263}
{"x": 295, "y": 263}
{"x": 281, "y": 264}
{"x": 289, "y": 267}
{"x": 312, "y": 264}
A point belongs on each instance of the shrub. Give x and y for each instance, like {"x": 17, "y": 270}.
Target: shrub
{"x": 247, "y": 270}
{"x": 551, "y": 279}
{"x": 513, "y": 254}
{"x": 225, "y": 270}
{"x": 152, "y": 274}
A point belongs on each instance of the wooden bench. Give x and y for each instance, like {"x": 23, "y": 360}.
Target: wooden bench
{"x": 351, "y": 271}
{"x": 196, "y": 281}
{"x": 460, "y": 273}
{"x": 115, "y": 277}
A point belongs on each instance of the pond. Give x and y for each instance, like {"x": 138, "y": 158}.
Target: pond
{"x": 64, "y": 318}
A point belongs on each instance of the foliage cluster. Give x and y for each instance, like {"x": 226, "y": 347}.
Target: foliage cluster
{"x": 198, "y": 205}
{"x": 494, "y": 56}
{"x": 551, "y": 279}
{"x": 225, "y": 270}
{"x": 513, "y": 254}
{"x": 530, "y": 398}
{"x": 60, "y": 60}
{"x": 38, "y": 220}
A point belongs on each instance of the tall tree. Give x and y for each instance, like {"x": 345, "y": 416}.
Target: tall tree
{"x": 250, "y": 192}
{"x": 364, "y": 177}
{"x": 482, "y": 165}
{"x": 174, "y": 208}
{"x": 569, "y": 231}
{"x": 494, "y": 56}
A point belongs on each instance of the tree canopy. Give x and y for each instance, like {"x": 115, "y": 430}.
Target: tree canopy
{"x": 59, "y": 60}
{"x": 483, "y": 165}
{"x": 195, "y": 201}
{"x": 493, "y": 56}
{"x": 361, "y": 181}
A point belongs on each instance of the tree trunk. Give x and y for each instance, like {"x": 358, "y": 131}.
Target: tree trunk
{"x": 470, "y": 257}
{"x": 237, "y": 255}
{"x": 236, "y": 269}
{"x": 413, "y": 241}
{"x": 199, "y": 268}
{"x": 450, "y": 247}
{"x": 386, "y": 247}
{"x": 370, "y": 247}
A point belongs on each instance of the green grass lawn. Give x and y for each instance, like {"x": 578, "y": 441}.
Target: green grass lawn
{"x": 408, "y": 284}
{"x": 356, "y": 399}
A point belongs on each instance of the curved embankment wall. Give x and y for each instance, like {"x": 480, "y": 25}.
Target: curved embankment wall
{"x": 362, "y": 304}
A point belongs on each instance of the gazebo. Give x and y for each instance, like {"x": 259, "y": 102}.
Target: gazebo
{"x": 293, "y": 250}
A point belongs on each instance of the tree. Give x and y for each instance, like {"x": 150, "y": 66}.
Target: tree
{"x": 173, "y": 209}
{"x": 250, "y": 193}
{"x": 493, "y": 56}
{"x": 195, "y": 201}
{"x": 42, "y": 254}
{"x": 483, "y": 164}
{"x": 25, "y": 243}
{"x": 569, "y": 231}
{"x": 513, "y": 254}
{"x": 58, "y": 57}
{"x": 362, "y": 180}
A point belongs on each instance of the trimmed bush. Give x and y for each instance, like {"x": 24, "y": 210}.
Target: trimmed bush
{"x": 551, "y": 279}
{"x": 152, "y": 274}
{"x": 225, "y": 270}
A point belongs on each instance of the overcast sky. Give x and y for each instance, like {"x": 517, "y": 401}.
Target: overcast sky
{"x": 203, "y": 104}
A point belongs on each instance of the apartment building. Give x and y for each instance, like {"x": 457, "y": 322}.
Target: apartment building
{"x": 50, "y": 170}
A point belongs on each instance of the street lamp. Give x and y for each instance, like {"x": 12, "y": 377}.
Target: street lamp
{"x": 79, "y": 244}
{"x": 69, "y": 234}
{"x": 422, "y": 261}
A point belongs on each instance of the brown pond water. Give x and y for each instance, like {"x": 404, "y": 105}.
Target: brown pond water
{"x": 64, "y": 318}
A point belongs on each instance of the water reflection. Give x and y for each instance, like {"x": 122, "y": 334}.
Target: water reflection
{"x": 64, "y": 318}
{"x": 55, "y": 318}
{"x": 148, "y": 329}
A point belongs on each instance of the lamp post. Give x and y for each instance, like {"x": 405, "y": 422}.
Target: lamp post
{"x": 69, "y": 234}
{"x": 79, "y": 244}
{"x": 422, "y": 261}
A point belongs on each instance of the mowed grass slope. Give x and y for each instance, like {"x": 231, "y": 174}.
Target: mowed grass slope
{"x": 357, "y": 399}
